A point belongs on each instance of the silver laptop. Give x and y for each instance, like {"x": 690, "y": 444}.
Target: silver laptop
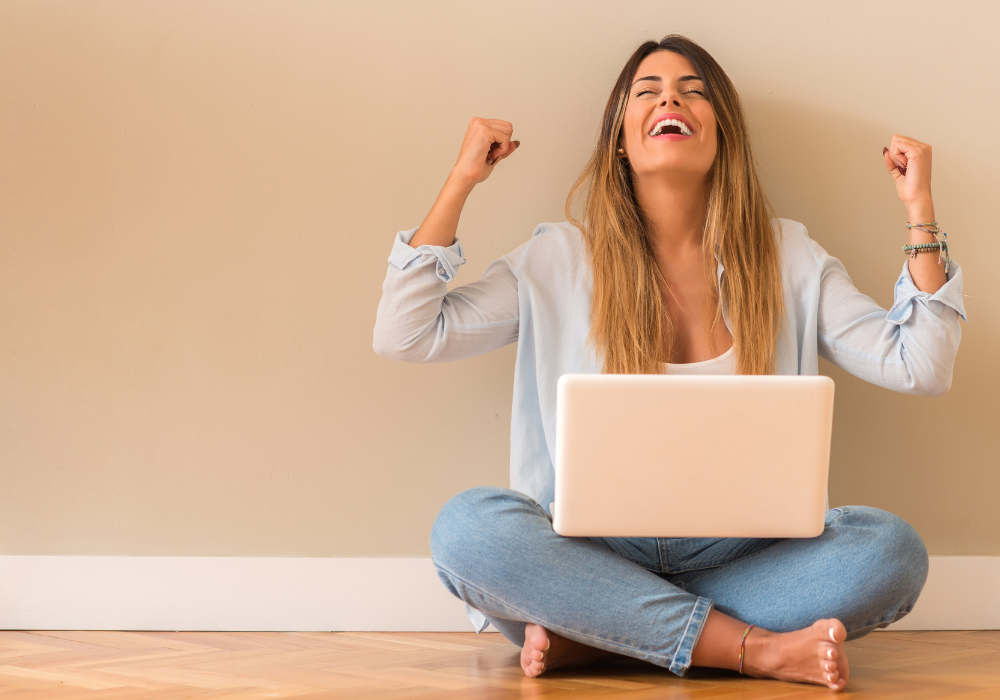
{"x": 692, "y": 456}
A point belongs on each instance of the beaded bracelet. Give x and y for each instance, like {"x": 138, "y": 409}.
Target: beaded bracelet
{"x": 941, "y": 246}
{"x": 922, "y": 248}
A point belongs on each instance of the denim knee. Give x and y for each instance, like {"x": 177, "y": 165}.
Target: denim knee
{"x": 897, "y": 550}
{"x": 467, "y": 526}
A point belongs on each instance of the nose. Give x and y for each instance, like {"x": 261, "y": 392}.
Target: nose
{"x": 675, "y": 102}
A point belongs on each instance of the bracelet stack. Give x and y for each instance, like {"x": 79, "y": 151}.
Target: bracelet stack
{"x": 941, "y": 245}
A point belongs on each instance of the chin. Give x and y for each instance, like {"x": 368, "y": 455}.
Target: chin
{"x": 673, "y": 168}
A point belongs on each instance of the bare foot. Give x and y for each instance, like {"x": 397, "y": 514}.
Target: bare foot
{"x": 544, "y": 651}
{"x": 811, "y": 655}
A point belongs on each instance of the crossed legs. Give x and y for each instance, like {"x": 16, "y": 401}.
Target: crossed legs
{"x": 569, "y": 600}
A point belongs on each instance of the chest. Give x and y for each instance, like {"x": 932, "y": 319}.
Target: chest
{"x": 696, "y": 331}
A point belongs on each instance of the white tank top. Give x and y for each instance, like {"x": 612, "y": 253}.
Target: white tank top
{"x": 723, "y": 364}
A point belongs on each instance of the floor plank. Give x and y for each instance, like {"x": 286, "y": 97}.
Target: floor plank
{"x": 75, "y": 665}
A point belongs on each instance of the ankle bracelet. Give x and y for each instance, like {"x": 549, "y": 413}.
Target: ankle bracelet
{"x": 743, "y": 645}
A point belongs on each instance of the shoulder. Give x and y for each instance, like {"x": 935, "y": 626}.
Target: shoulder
{"x": 554, "y": 246}
{"x": 558, "y": 236}
{"x": 800, "y": 254}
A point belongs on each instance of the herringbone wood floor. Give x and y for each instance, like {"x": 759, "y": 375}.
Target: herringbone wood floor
{"x": 161, "y": 665}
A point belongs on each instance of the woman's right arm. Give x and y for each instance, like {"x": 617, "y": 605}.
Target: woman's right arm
{"x": 419, "y": 320}
{"x": 486, "y": 142}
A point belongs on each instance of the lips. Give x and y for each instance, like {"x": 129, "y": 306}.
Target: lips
{"x": 671, "y": 124}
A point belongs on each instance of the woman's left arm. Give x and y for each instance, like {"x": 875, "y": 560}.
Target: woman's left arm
{"x": 912, "y": 347}
{"x": 914, "y": 189}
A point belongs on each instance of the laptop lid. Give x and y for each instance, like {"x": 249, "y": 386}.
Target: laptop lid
{"x": 692, "y": 456}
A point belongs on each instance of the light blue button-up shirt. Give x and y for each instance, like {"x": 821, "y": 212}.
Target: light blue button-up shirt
{"x": 539, "y": 296}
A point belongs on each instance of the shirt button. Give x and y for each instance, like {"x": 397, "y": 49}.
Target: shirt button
{"x": 440, "y": 270}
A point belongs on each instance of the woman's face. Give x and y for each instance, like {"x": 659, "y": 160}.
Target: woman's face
{"x": 667, "y": 87}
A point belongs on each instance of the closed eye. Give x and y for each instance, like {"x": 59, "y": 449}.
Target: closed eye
{"x": 650, "y": 91}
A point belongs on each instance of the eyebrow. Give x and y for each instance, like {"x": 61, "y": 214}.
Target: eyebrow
{"x": 658, "y": 79}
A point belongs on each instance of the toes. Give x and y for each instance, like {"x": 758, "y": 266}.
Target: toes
{"x": 832, "y": 630}
{"x": 837, "y": 632}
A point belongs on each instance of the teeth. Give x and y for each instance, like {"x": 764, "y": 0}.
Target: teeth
{"x": 660, "y": 125}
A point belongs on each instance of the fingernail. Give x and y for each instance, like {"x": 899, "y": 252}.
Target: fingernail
{"x": 884, "y": 150}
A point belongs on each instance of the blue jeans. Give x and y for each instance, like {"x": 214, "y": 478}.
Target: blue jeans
{"x": 649, "y": 598}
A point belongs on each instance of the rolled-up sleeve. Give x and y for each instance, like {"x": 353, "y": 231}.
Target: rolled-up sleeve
{"x": 419, "y": 320}
{"x": 909, "y": 348}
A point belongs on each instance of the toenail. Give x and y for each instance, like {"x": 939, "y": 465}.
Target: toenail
{"x": 548, "y": 643}
{"x": 831, "y": 635}
{"x": 829, "y": 653}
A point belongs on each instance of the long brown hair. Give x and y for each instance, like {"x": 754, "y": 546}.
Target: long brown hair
{"x": 630, "y": 329}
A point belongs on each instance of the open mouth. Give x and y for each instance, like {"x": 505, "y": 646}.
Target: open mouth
{"x": 671, "y": 126}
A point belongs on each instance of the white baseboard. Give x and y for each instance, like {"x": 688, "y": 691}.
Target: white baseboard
{"x": 226, "y": 593}
{"x": 961, "y": 593}
{"x": 358, "y": 594}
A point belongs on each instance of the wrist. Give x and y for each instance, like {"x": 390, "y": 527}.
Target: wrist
{"x": 920, "y": 212}
{"x": 459, "y": 184}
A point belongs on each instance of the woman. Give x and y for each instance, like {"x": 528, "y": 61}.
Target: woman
{"x": 676, "y": 266}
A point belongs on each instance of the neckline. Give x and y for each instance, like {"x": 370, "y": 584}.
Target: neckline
{"x": 715, "y": 360}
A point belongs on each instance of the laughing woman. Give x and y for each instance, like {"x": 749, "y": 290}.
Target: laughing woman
{"x": 675, "y": 265}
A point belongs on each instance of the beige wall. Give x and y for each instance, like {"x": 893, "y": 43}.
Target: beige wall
{"x": 197, "y": 201}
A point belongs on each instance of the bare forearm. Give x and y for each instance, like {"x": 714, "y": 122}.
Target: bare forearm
{"x": 925, "y": 268}
{"x": 486, "y": 143}
{"x": 908, "y": 161}
{"x": 441, "y": 224}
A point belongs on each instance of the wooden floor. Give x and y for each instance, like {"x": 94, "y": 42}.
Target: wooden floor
{"x": 134, "y": 665}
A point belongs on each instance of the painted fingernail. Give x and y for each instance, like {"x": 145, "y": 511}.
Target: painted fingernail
{"x": 884, "y": 150}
